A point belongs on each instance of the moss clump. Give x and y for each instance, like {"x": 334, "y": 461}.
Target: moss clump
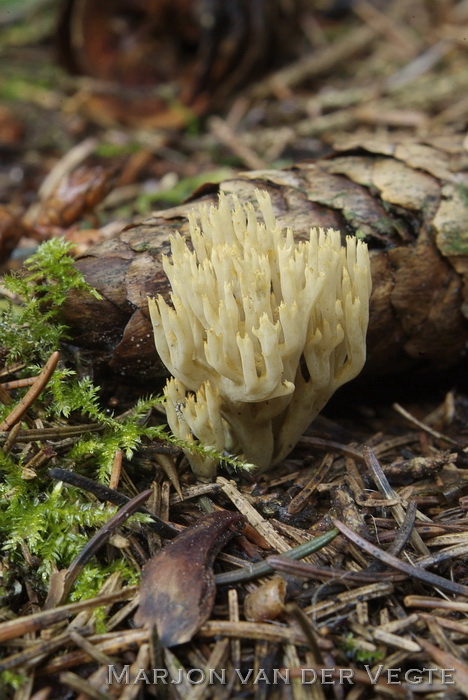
{"x": 30, "y": 326}
{"x": 43, "y": 524}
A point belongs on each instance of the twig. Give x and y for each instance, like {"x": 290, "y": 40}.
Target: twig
{"x": 41, "y": 648}
{"x": 39, "y": 384}
{"x": 17, "y": 383}
{"x": 384, "y": 487}
{"x": 263, "y": 568}
{"x": 42, "y": 434}
{"x": 324, "y": 573}
{"x": 420, "y": 601}
{"x": 264, "y": 527}
{"x": 423, "y": 426}
{"x": 116, "y": 469}
{"x": 104, "y": 493}
{"x": 457, "y": 550}
{"x": 333, "y": 606}
{"x": 425, "y": 576}
{"x": 82, "y": 686}
{"x": 421, "y": 64}
{"x": 225, "y": 135}
{"x": 320, "y": 62}
{"x": 329, "y": 445}
{"x": 46, "y": 618}
{"x": 94, "y": 544}
{"x": 114, "y": 644}
{"x": 66, "y": 164}
{"x": 299, "y": 501}
{"x": 12, "y": 437}
{"x": 382, "y": 24}
{"x": 256, "y": 630}
{"x": 305, "y": 625}
{"x": 90, "y": 648}
{"x": 402, "y": 537}
{"x": 5, "y": 397}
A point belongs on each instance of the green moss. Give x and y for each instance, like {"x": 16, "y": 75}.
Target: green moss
{"x": 106, "y": 149}
{"x": 10, "y": 681}
{"x": 32, "y": 328}
{"x": 358, "y": 654}
{"x": 53, "y": 521}
{"x": 181, "y": 190}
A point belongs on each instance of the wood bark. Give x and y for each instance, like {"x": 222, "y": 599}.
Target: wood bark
{"x": 408, "y": 198}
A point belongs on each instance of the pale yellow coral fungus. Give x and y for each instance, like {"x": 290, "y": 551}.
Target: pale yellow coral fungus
{"x": 261, "y": 330}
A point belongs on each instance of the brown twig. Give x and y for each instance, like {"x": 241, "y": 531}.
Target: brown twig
{"x": 46, "y": 618}
{"x": 386, "y": 490}
{"x": 27, "y": 400}
{"x": 82, "y": 686}
{"x": 116, "y": 469}
{"x": 435, "y": 433}
{"x": 59, "y": 433}
{"x": 329, "y": 445}
{"x": 18, "y": 383}
{"x": 225, "y": 135}
{"x": 104, "y": 493}
{"x": 5, "y": 397}
{"x": 325, "y": 573}
{"x": 415, "y": 571}
{"x": 299, "y": 501}
{"x": 321, "y": 61}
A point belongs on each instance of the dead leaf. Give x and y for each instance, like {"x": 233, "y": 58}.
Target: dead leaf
{"x": 177, "y": 587}
{"x": 76, "y": 195}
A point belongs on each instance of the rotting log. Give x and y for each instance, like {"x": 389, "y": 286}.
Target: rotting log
{"x": 408, "y": 198}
